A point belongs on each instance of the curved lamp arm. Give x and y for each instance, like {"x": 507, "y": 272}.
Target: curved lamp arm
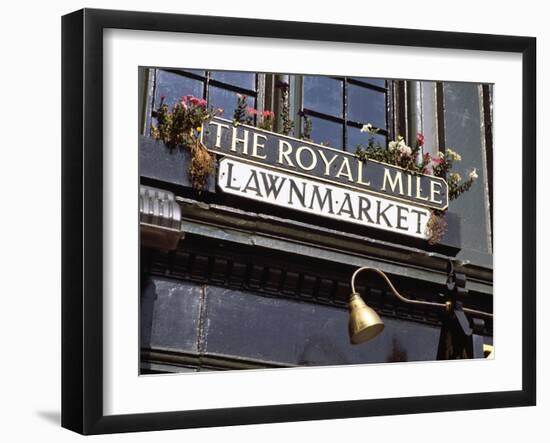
{"x": 443, "y": 306}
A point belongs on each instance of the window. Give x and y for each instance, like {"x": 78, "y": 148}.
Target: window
{"x": 338, "y": 107}
{"x": 220, "y": 88}
{"x": 335, "y": 107}
{"x": 332, "y": 110}
{"x": 467, "y": 129}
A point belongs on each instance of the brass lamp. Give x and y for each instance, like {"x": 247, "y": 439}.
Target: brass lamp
{"x": 365, "y": 323}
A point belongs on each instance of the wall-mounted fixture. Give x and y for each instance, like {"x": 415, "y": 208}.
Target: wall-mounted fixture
{"x": 159, "y": 218}
{"x": 459, "y": 336}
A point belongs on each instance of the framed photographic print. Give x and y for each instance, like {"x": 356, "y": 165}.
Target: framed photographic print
{"x": 273, "y": 221}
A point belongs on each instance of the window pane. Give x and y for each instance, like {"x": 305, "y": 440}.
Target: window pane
{"x": 367, "y": 106}
{"x": 356, "y": 137}
{"x": 323, "y": 94}
{"x": 372, "y": 81}
{"x": 462, "y": 133}
{"x": 227, "y": 100}
{"x": 174, "y": 86}
{"x": 200, "y": 72}
{"x": 243, "y": 79}
{"x": 326, "y": 132}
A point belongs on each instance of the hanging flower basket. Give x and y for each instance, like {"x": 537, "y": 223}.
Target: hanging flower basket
{"x": 180, "y": 128}
{"x": 400, "y": 154}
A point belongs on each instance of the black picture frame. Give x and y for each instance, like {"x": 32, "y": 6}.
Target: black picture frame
{"x": 82, "y": 231}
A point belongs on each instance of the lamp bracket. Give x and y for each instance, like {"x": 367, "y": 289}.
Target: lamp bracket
{"x": 456, "y": 293}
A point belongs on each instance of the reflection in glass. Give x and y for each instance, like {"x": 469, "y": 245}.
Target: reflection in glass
{"x": 200, "y": 72}
{"x": 326, "y": 132}
{"x": 367, "y": 106}
{"x": 243, "y": 79}
{"x": 323, "y": 94}
{"x": 356, "y": 137}
{"x": 463, "y": 132}
{"x": 372, "y": 81}
{"x": 174, "y": 86}
{"x": 227, "y": 100}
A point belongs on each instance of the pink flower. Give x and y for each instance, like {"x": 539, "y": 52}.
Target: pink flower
{"x": 437, "y": 161}
{"x": 420, "y": 139}
{"x": 251, "y": 111}
{"x": 195, "y": 101}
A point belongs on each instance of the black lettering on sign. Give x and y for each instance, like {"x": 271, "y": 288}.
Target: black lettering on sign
{"x": 324, "y": 199}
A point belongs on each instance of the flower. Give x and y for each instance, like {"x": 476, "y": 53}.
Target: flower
{"x": 455, "y": 177}
{"x": 454, "y": 155}
{"x": 398, "y": 145}
{"x": 427, "y": 157}
{"x": 473, "y": 174}
{"x": 268, "y": 114}
{"x": 198, "y": 102}
{"x": 403, "y": 148}
{"x": 437, "y": 161}
{"x": 195, "y": 101}
{"x": 250, "y": 110}
{"x": 369, "y": 128}
{"x": 420, "y": 139}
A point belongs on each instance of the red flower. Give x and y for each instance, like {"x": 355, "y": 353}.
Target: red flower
{"x": 420, "y": 139}
{"x": 194, "y": 100}
{"x": 267, "y": 114}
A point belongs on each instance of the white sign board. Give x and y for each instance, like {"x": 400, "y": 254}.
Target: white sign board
{"x": 319, "y": 198}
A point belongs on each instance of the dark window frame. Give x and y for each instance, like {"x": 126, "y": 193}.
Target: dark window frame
{"x": 152, "y": 84}
{"x": 344, "y": 120}
{"x": 259, "y": 95}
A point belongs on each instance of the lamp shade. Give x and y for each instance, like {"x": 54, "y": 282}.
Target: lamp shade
{"x": 364, "y": 322}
